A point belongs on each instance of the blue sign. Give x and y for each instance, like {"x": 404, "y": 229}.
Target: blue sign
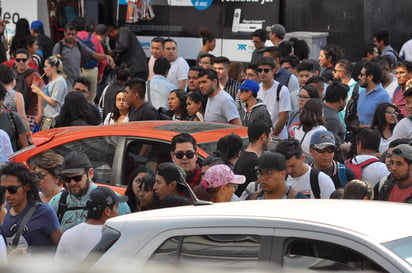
{"x": 242, "y": 47}
{"x": 202, "y": 4}
{"x": 122, "y": 2}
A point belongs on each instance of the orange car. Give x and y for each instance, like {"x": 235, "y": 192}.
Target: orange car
{"x": 114, "y": 149}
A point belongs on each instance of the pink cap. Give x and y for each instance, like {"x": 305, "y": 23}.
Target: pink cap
{"x": 220, "y": 175}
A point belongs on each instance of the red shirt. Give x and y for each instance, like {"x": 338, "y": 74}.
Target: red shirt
{"x": 400, "y": 194}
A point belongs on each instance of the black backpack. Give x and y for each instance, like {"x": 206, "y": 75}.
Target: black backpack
{"x": 23, "y": 88}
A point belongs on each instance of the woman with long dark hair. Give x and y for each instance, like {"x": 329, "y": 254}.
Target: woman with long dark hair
{"x": 20, "y": 36}
{"x": 177, "y": 104}
{"x": 311, "y": 120}
{"x": 148, "y": 199}
{"x": 384, "y": 120}
{"x": 306, "y": 93}
{"x": 120, "y": 112}
{"x": 133, "y": 187}
{"x": 329, "y": 55}
{"x": 76, "y": 111}
{"x": 195, "y": 106}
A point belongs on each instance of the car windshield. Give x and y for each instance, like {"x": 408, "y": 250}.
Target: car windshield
{"x": 193, "y": 127}
{"x": 402, "y": 248}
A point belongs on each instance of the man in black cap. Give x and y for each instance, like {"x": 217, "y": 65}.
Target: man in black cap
{"x": 271, "y": 172}
{"x": 76, "y": 243}
{"x": 70, "y": 205}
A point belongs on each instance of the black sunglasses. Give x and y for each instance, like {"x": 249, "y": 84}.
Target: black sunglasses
{"x": 40, "y": 175}
{"x": 328, "y": 150}
{"x": 180, "y": 155}
{"x": 68, "y": 179}
{"x": 21, "y": 60}
{"x": 10, "y": 189}
{"x": 266, "y": 70}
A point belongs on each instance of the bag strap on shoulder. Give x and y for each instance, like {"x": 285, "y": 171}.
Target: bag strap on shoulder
{"x": 314, "y": 182}
{"x": 62, "y": 205}
{"x": 23, "y": 223}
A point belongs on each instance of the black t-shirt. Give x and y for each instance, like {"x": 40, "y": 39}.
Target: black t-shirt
{"x": 146, "y": 111}
{"x": 245, "y": 165}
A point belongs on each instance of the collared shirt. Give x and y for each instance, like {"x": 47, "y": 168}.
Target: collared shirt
{"x": 159, "y": 90}
{"x": 367, "y": 103}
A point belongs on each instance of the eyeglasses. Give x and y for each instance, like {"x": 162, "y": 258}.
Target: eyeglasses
{"x": 180, "y": 155}
{"x": 391, "y": 113}
{"x": 328, "y": 150}
{"x": 68, "y": 179}
{"x": 235, "y": 186}
{"x": 362, "y": 74}
{"x": 21, "y": 60}
{"x": 266, "y": 70}
{"x": 40, "y": 175}
{"x": 84, "y": 91}
{"x": 336, "y": 70}
{"x": 10, "y": 189}
{"x": 303, "y": 97}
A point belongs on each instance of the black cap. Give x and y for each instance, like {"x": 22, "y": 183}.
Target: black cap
{"x": 75, "y": 162}
{"x": 103, "y": 197}
{"x": 271, "y": 161}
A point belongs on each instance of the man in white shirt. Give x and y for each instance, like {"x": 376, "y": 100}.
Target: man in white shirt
{"x": 179, "y": 67}
{"x": 77, "y": 242}
{"x": 311, "y": 182}
{"x": 277, "y": 100}
{"x": 159, "y": 87}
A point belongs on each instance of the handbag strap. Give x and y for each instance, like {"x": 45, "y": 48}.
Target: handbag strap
{"x": 26, "y": 218}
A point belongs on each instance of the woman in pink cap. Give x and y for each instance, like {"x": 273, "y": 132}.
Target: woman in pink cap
{"x": 218, "y": 184}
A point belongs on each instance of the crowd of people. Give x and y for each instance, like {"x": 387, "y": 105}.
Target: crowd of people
{"x": 344, "y": 129}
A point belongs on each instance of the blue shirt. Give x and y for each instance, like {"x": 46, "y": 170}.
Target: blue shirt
{"x": 368, "y": 102}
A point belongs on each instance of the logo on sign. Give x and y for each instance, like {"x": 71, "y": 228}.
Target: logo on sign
{"x": 241, "y": 47}
{"x": 202, "y": 4}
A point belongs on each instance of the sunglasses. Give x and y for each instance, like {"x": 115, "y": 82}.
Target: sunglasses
{"x": 84, "y": 91}
{"x": 68, "y": 179}
{"x": 10, "y": 189}
{"x": 328, "y": 150}
{"x": 40, "y": 175}
{"x": 266, "y": 70}
{"x": 21, "y": 60}
{"x": 180, "y": 155}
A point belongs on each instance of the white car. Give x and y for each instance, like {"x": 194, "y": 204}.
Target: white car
{"x": 297, "y": 235}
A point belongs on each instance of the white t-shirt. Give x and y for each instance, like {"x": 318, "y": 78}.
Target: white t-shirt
{"x": 302, "y": 184}
{"x": 374, "y": 172}
{"x": 403, "y": 129}
{"x": 299, "y": 134}
{"x": 179, "y": 70}
{"x": 273, "y": 106}
{"x": 77, "y": 242}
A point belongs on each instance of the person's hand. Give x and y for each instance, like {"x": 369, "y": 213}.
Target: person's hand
{"x": 37, "y": 119}
{"x": 110, "y": 62}
{"x": 408, "y": 83}
{"x": 35, "y": 89}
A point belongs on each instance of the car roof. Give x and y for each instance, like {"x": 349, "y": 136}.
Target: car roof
{"x": 161, "y": 129}
{"x": 383, "y": 221}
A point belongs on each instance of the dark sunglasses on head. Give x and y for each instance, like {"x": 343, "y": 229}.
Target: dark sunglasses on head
{"x": 21, "y": 60}
{"x": 68, "y": 179}
{"x": 40, "y": 175}
{"x": 266, "y": 70}
{"x": 328, "y": 150}
{"x": 180, "y": 155}
{"x": 10, "y": 189}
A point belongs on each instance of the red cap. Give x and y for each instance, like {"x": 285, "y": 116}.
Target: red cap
{"x": 4, "y": 22}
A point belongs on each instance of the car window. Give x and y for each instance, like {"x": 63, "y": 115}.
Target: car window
{"x": 313, "y": 255}
{"x": 100, "y": 151}
{"x": 240, "y": 252}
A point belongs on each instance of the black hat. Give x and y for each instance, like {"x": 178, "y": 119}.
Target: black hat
{"x": 271, "y": 161}
{"x": 75, "y": 162}
{"x": 103, "y": 197}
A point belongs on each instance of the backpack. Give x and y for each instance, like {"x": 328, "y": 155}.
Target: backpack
{"x": 88, "y": 62}
{"x": 23, "y": 88}
{"x": 278, "y": 91}
{"x": 357, "y": 168}
{"x": 351, "y": 115}
{"x": 61, "y": 210}
{"x": 314, "y": 182}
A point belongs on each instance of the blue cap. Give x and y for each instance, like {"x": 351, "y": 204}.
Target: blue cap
{"x": 322, "y": 139}
{"x": 249, "y": 85}
{"x": 37, "y": 25}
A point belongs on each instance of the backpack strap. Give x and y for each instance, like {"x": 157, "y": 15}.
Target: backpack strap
{"x": 342, "y": 174}
{"x": 292, "y": 193}
{"x": 278, "y": 91}
{"x": 62, "y": 205}
{"x": 367, "y": 162}
{"x": 314, "y": 182}
{"x": 13, "y": 125}
{"x": 23, "y": 223}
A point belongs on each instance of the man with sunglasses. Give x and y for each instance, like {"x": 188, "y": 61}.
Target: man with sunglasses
{"x": 277, "y": 100}
{"x": 322, "y": 149}
{"x": 184, "y": 154}
{"x": 70, "y": 205}
{"x": 29, "y": 223}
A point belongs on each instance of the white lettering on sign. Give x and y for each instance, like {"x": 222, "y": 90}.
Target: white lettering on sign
{"x": 249, "y": 1}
